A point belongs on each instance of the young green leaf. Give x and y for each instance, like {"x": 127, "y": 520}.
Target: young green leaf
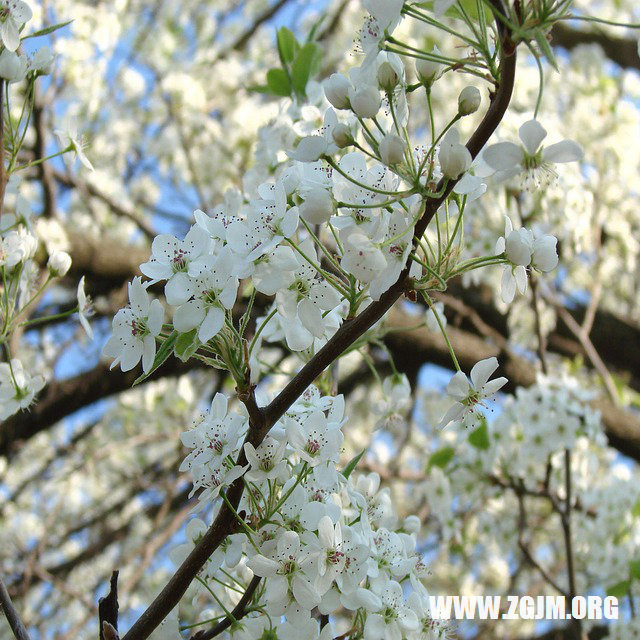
{"x": 480, "y": 437}
{"x": 47, "y": 30}
{"x": 441, "y": 458}
{"x": 619, "y": 589}
{"x": 187, "y": 344}
{"x": 306, "y": 64}
{"x": 287, "y": 45}
{"x": 353, "y": 463}
{"x": 278, "y": 82}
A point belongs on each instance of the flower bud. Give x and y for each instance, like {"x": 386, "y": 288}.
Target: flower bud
{"x": 454, "y": 157}
{"x": 428, "y": 70}
{"x": 341, "y": 135}
{"x": 469, "y": 100}
{"x": 365, "y": 101}
{"x": 317, "y": 206}
{"x": 391, "y": 149}
{"x": 12, "y": 66}
{"x": 59, "y": 263}
{"x": 411, "y": 524}
{"x": 387, "y": 77}
{"x": 336, "y": 88}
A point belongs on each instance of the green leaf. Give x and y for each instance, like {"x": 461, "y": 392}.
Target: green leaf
{"x": 278, "y": 82}
{"x": 471, "y": 9}
{"x": 259, "y": 88}
{"x": 545, "y": 47}
{"x": 353, "y": 463}
{"x": 187, "y": 344}
{"x": 620, "y": 589}
{"x": 165, "y": 350}
{"x": 636, "y": 509}
{"x": 480, "y": 437}
{"x": 47, "y": 30}
{"x": 306, "y": 64}
{"x": 634, "y": 569}
{"x": 287, "y": 45}
{"x": 441, "y": 458}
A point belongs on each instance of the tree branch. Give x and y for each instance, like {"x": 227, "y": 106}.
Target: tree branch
{"x": 225, "y": 523}
{"x": 18, "y": 628}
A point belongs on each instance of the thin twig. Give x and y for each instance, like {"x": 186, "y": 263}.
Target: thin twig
{"x": 238, "y": 612}
{"x": 18, "y": 628}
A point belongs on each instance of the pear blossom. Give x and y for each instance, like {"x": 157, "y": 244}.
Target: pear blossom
{"x": 315, "y": 439}
{"x": 135, "y": 329}
{"x": 266, "y": 461}
{"x": 13, "y": 14}
{"x": 468, "y": 396}
{"x": 85, "y": 308}
{"x": 289, "y": 575}
{"x": 174, "y": 260}
{"x": 530, "y": 158}
{"x": 18, "y": 387}
{"x": 393, "y": 619}
{"x": 214, "y": 292}
{"x": 69, "y": 140}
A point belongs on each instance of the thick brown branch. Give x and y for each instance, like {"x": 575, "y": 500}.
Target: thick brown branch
{"x": 622, "y": 51}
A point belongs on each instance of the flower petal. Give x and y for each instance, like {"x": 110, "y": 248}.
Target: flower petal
{"x": 532, "y": 133}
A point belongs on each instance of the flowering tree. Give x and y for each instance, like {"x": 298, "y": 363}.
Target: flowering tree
{"x": 299, "y": 235}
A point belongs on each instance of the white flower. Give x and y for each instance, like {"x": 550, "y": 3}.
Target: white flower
{"x": 267, "y": 461}
{"x": 545, "y": 255}
{"x": 309, "y": 149}
{"x": 69, "y": 140}
{"x": 326, "y": 550}
{"x": 85, "y": 308}
{"x": 315, "y": 439}
{"x": 317, "y": 206}
{"x": 13, "y": 14}
{"x": 387, "y": 13}
{"x": 469, "y": 396}
{"x": 42, "y": 61}
{"x": 454, "y": 157}
{"x": 17, "y": 247}
{"x": 535, "y": 161}
{"x": 215, "y": 438}
{"x": 172, "y": 260}
{"x": 393, "y": 618}
{"x": 17, "y": 387}
{"x": 287, "y": 575}
{"x": 59, "y": 263}
{"x": 214, "y": 292}
{"x": 135, "y": 329}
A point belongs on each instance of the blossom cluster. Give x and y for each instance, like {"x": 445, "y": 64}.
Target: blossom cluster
{"x": 318, "y": 538}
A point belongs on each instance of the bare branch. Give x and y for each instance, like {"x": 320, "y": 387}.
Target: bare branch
{"x": 18, "y": 628}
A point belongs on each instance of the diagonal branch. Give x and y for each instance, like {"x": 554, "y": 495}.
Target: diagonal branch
{"x": 18, "y": 628}
{"x": 351, "y": 330}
